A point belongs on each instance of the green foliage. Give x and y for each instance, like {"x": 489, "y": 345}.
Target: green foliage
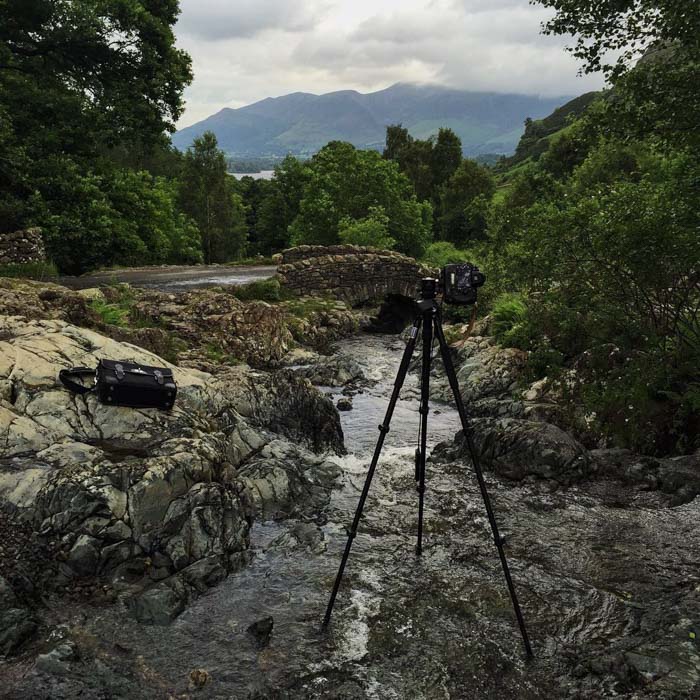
{"x": 623, "y": 30}
{"x": 507, "y": 319}
{"x": 274, "y": 205}
{"x": 208, "y": 196}
{"x": 110, "y": 313}
{"x": 464, "y": 203}
{"x": 345, "y": 183}
{"x": 443, "y": 253}
{"x": 658, "y": 98}
{"x": 370, "y": 231}
{"x": 260, "y": 290}
{"x": 120, "y": 218}
{"x": 34, "y": 271}
{"x": 608, "y": 258}
{"x": 87, "y": 91}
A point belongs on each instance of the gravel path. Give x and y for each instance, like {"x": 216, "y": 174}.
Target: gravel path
{"x": 172, "y": 277}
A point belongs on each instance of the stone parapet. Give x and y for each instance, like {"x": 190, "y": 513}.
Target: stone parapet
{"x": 353, "y": 274}
{"x": 21, "y": 247}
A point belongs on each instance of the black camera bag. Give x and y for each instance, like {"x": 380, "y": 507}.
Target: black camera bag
{"x": 120, "y": 383}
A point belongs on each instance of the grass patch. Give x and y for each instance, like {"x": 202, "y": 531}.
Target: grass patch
{"x": 307, "y": 306}
{"x": 111, "y": 314}
{"x": 215, "y": 353}
{"x": 261, "y": 290}
{"x": 41, "y": 271}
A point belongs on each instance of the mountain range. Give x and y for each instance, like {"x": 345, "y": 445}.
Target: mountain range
{"x": 302, "y": 123}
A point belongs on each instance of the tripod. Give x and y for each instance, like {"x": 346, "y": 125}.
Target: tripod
{"x": 429, "y": 318}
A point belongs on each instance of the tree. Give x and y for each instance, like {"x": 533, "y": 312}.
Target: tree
{"x": 279, "y": 205}
{"x": 207, "y": 196}
{"x": 659, "y": 96}
{"x": 111, "y": 64}
{"x": 346, "y": 182}
{"x": 446, "y": 156}
{"x": 626, "y": 29}
{"x": 464, "y": 200}
{"x": 371, "y": 231}
{"x": 83, "y": 84}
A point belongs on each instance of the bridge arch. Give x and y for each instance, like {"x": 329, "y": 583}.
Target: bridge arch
{"x": 353, "y": 274}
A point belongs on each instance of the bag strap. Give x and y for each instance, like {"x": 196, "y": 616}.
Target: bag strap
{"x": 65, "y": 374}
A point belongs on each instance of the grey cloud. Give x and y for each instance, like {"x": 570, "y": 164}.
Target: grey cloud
{"x": 459, "y": 43}
{"x": 216, "y": 20}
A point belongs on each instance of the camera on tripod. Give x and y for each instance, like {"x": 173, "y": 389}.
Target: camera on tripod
{"x": 457, "y": 282}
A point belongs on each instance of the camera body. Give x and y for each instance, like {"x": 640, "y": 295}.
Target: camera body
{"x": 459, "y": 283}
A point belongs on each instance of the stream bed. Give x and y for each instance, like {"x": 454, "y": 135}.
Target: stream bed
{"x": 607, "y": 576}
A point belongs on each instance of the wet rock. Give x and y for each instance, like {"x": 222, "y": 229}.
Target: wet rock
{"x": 261, "y": 631}
{"x": 160, "y": 604}
{"x": 676, "y": 476}
{"x": 84, "y": 555}
{"x": 17, "y": 624}
{"x": 284, "y": 403}
{"x": 299, "y": 357}
{"x": 304, "y": 536}
{"x": 516, "y": 449}
{"x": 120, "y": 488}
{"x": 57, "y": 661}
{"x": 488, "y": 370}
{"x": 337, "y": 370}
{"x": 344, "y": 404}
{"x": 287, "y": 481}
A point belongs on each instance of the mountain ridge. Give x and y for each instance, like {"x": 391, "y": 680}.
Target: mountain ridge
{"x": 301, "y": 122}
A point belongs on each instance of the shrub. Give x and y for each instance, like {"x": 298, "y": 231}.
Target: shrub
{"x": 111, "y": 314}
{"x": 34, "y": 271}
{"x": 261, "y": 290}
{"x": 373, "y": 230}
{"x": 443, "y": 253}
{"x": 508, "y": 314}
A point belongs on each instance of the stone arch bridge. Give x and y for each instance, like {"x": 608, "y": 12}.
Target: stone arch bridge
{"x": 353, "y": 274}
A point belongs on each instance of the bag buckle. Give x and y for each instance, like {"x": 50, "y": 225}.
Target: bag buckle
{"x": 159, "y": 376}
{"x": 119, "y": 371}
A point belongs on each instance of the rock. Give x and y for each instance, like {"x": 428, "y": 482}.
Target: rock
{"x": 22, "y": 247}
{"x": 337, "y": 370}
{"x": 298, "y": 357}
{"x": 487, "y": 370}
{"x": 57, "y": 661}
{"x": 160, "y": 604}
{"x": 678, "y": 477}
{"x": 198, "y": 678}
{"x": 304, "y": 536}
{"x": 261, "y": 631}
{"x": 516, "y": 449}
{"x": 344, "y": 404}
{"x": 287, "y": 481}
{"x": 353, "y": 274}
{"x": 84, "y": 555}
{"x": 17, "y": 624}
{"x": 284, "y": 403}
{"x": 156, "y": 503}
{"x": 254, "y": 332}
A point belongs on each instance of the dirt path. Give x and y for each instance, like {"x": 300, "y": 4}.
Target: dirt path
{"x": 173, "y": 277}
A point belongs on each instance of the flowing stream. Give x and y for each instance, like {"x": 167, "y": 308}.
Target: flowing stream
{"x": 600, "y": 571}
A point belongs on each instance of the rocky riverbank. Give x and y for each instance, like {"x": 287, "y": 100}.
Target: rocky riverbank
{"x": 190, "y": 553}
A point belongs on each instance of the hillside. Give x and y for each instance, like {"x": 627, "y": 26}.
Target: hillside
{"x": 302, "y": 123}
{"x": 539, "y": 132}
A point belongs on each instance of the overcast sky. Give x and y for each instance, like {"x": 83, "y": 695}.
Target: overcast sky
{"x": 246, "y": 50}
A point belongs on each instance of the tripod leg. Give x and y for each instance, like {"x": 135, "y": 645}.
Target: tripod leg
{"x": 454, "y": 385}
{"x": 424, "y": 401}
{"x": 383, "y": 430}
